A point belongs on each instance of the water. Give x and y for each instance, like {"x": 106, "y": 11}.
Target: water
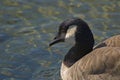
{"x": 27, "y": 27}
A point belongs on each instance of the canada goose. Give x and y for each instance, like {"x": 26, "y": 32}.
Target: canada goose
{"x": 83, "y": 61}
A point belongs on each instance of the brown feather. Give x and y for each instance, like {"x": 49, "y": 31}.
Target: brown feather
{"x": 102, "y": 64}
{"x": 110, "y": 42}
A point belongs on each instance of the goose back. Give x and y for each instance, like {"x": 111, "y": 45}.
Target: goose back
{"x": 110, "y": 42}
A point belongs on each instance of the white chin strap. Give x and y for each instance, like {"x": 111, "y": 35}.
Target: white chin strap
{"x": 70, "y": 35}
{"x": 71, "y": 32}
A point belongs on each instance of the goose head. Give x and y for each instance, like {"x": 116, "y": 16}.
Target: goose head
{"x": 65, "y": 33}
{"x": 82, "y": 39}
{"x": 76, "y": 31}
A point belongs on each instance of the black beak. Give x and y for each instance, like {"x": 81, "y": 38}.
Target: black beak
{"x": 57, "y": 39}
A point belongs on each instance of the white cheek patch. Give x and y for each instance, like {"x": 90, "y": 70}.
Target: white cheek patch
{"x": 70, "y": 35}
{"x": 71, "y": 32}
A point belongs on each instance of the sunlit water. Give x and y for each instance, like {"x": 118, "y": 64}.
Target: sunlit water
{"x": 27, "y": 27}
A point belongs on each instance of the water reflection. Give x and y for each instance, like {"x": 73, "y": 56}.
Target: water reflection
{"x": 27, "y": 27}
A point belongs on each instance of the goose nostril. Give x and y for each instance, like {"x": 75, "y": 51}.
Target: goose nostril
{"x": 55, "y": 37}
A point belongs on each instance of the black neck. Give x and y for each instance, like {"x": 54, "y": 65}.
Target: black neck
{"x": 84, "y": 44}
{"x": 74, "y": 54}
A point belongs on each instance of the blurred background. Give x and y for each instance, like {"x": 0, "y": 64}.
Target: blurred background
{"x": 27, "y": 27}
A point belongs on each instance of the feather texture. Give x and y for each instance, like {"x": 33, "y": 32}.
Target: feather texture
{"x": 111, "y": 42}
{"x": 103, "y": 63}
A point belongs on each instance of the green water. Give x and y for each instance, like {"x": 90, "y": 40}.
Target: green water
{"x": 27, "y": 27}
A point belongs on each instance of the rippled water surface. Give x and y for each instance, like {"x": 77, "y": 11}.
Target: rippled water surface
{"x": 27, "y": 27}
